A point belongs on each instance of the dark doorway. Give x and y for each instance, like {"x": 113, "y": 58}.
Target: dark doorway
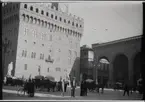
{"x": 136, "y": 68}
{"x": 103, "y": 71}
{"x": 120, "y": 66}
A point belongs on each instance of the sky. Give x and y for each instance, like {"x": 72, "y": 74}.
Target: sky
{"x": 108, "y": 21}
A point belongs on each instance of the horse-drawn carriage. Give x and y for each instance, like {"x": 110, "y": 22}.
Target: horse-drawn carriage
{"x": 92, "y": 86}
{"x": 13, "y": 81}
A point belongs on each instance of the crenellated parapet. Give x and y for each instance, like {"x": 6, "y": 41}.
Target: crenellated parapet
{"x": 53, "y": 14}
{"x": 45, "y": 16}
{"x": 10, "y": 13}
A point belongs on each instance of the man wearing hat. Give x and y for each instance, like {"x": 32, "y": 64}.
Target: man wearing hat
{"x": 73, "y": 86}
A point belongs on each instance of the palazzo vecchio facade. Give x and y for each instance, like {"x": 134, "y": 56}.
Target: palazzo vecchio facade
{"x": 41, "y": 39}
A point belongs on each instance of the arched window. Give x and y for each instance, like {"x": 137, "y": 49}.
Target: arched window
{"x": 14, "y": 7}
{"x": 48, "y": 24}
{"x": 72, "y": 23}
{"x": 52, "y": 26}
{"x": 27, "y": 18}
{"x": 80, "y": 26}
{"x": 42, "y": 23}
{"x": 51, "y": 15}
{"x": 25, "y": 6}
{"x": 68, "y": 22}
{"x": 31, "y": 19}
{"x": 63, "y": 29}
{"x": 38, "y": 21}
{"x": 60, "y": 18}
{"x": 70, "y": 31}
{"x": 17, "y": 6}
{"x": 35, "y": 20}
{"x": 60, "y": 28}
{"x": 37, "y": 10}
{"x": 42, "y": 12}
{"x": 47, "y": 14}
{"x": 76, "y": 25}
{"x": 64, "y": 20}
{"x": 31, "y": 8}
{"x": 45, "y": 24}
{"x": 55, "y": 27}
{"x": 23, "y": 16}
{"x": 55, "y": 17}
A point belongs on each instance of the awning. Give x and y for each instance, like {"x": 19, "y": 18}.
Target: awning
{"x": 51, "y": 78}
{"x": 39, "y": 77}
{"x": 89, "y": 80}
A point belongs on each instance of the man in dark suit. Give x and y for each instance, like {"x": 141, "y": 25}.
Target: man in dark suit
{"x": 126, "y": 89}
{"x": 73, "y": 86}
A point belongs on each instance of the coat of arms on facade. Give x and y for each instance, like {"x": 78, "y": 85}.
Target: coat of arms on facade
{"x": 49, "y": 59}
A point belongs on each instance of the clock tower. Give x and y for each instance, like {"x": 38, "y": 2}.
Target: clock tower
{"x": 63, "y": 7}
{"x": 54, "y": 4}
{"x": 60, "y": 6}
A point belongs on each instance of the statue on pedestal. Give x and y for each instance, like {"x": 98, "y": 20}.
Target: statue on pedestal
{"x": 10, "y": 68}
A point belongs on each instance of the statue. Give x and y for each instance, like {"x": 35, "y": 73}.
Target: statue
{"x": 10, "y": 68}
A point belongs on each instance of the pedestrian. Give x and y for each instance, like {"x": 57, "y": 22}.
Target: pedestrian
{"x": 98, "y": 88}
{"x": 63, "y": 84}
{"x": 82, "y": 88}
{"x": 85, "y": 88}
{"x": 25, "y": 87}
{"x": 60, "y": 85}
{"x": 32, "y": 88}
{"x": 102, "y": 86}
{"x": 29, "y": 86}
{"x": 126, "y": 89}
{"x": 57, "y": 86}
{"x": 73, "y": 86}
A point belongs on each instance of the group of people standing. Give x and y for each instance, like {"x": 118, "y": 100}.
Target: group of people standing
{"x": 83, "y": 87}
{"x": 73, "y": 86}
{"x": 29, "y": 87}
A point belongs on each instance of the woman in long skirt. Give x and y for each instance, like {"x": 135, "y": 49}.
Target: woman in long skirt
{"x": 63, "y": 83}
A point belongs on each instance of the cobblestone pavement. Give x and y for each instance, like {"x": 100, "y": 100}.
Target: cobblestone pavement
{"x": 9, "y": 94}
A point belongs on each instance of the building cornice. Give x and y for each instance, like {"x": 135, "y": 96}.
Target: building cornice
{"x": 117, "y": 41}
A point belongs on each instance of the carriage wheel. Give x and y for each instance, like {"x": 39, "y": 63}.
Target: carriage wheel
{"x": 20, "y": 92}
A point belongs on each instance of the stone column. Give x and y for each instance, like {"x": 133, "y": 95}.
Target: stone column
{"x": 130, "y": 71}
{"x": 111, "y": 80}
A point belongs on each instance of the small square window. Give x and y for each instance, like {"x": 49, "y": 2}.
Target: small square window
{"x": 25, "y": 66}
{"x": 42, "y": 12}
{"x": 37, "y": 10}
{"x": 60, "y": 18}
{"x": 47, "y": 69}
{"x": 55, "y": 17}
{"x": 64, "y": 20}
{"x": 51, "y": 15}
{"x": 32, "y": 55}
{"x": 47, "y": 14}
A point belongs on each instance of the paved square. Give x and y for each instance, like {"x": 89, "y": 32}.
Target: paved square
{"x": 9, "y": 94}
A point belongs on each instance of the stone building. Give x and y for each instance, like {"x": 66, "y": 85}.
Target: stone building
{"x": 86, "y": 62}
{"x": 124, "y": 60}
{"x": 44, "y": 39}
